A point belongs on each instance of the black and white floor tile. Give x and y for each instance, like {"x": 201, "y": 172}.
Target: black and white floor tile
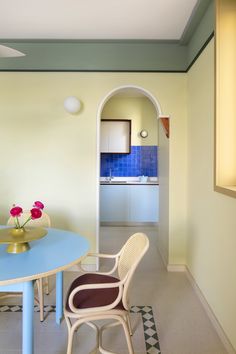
{"x": 149, "y": 327}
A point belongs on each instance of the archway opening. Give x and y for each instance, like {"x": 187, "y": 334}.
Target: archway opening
{"x": 130, "y": 92}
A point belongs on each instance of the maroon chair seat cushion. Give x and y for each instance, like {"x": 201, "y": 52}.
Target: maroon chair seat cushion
{"x": 93, "y": 297}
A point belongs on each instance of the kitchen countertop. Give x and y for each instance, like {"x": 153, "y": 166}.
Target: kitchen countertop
{"x": 128, "y": 181}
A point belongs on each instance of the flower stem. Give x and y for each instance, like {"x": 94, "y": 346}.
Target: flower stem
{"x": 17, "y": 223}
{"x": 29, "y": 218}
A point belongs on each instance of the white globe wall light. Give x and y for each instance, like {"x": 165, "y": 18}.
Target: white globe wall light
{"x": 72, "y": 104}
{"x": 144, "y": 133}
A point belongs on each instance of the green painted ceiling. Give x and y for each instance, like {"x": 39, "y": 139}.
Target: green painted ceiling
{"x": 174, "y": 56}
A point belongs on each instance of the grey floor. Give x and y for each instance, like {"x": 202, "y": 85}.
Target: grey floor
{"x": 182, "y": 325}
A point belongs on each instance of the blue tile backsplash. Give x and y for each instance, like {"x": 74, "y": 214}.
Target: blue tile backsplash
{"x": 141, "y": 161}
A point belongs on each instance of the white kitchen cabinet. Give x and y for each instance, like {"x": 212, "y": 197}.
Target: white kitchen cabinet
{"x": 143, "y": 203}
{"x": 113, "y": 203}
{"x": 115, "y": 136}
{"x": 129, "y": 203}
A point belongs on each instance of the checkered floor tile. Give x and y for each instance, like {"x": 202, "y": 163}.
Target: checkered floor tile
{"x": 149, "y": 327}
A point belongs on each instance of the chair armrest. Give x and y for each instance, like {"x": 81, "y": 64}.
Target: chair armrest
{"x": 105, "y": 256}
{"x": 102, "y": 255}
{"x": 96, "y": 286}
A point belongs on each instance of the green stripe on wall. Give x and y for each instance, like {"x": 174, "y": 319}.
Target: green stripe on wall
{"x": 131, "y": 56}
{"x": 196, "y": 17}
{"x": 205, "y": 28}
{"x": 97, "y": 56}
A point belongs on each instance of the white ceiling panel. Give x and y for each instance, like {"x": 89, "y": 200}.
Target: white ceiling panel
{"x": 94, "y": 19}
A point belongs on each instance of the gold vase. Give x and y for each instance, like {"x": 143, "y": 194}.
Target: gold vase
{"x": 19, "y": 245}
{"x": 18, "y": 231}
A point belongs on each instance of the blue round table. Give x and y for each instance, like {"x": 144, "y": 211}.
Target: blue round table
{"x": 57, "y": 251}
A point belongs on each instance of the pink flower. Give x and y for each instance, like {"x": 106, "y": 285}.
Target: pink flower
{"x": 38, "y": 205}
{"x": 16, "y": 211}
{"x": 35, "y": 213}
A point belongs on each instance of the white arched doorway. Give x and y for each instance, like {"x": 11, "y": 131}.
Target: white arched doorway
{"x": 109, "y": 95}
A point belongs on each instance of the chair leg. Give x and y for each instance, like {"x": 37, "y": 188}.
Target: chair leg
{"x": 71, "y": 330}
{"x": 93, "y": 326}
{"x": 129, "y": 324}
{"x": 41, "y": 298}
{"x": 70, "y": 341}
{"x": 119, "y": 320}
{"x": 127, "y": 335}
{"x": 46, "y": 285}
{"x": 73, "y": 327}
{"x": 70, "y": 335}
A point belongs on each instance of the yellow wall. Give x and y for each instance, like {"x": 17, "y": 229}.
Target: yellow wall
{"x": 178, "y": 179}
{"x": 163, "y": 225}
{"x": 50, "y": 155}
{"x": 211, "y": 215}
{"x": 142, "y": 113}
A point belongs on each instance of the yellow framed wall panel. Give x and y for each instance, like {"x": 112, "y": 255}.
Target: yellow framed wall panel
{"x": 225, "y": 97}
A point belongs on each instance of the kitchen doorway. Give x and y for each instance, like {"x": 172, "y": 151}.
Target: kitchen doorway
{"x": 110, "y": 172}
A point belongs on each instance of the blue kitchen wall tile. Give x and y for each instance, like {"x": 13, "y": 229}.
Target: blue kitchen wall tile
{"x": 143, "y": 160}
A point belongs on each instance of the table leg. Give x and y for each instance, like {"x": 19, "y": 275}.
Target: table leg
{"x": 59, "y": 297}
{"x": 28, "y": 318}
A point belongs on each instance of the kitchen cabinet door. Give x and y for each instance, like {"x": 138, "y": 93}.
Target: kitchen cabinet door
{"x": 123, "y": 203}
{"x": 143, "y": 203}
{"x": 114, "y": 204}
{"x": 115, "y": 136}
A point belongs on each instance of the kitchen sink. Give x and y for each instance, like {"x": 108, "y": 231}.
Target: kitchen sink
{"x": 113, "y": 182}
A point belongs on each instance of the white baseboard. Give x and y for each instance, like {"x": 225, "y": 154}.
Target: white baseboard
{"x": 176, "y": 268}
{"x": 221, "y": 333}
{"x": 86, "y": 267}
{"x": 223, "y": 337}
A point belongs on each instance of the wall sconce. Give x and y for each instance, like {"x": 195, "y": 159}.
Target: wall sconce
{"x": 143, "y": 133}
{"x": 72, "y": 104}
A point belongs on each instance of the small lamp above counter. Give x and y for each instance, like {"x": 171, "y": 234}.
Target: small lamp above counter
{"x": 143, "y": 133}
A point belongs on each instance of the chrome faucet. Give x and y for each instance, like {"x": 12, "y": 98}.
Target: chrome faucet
{"x": 110, "y": 176}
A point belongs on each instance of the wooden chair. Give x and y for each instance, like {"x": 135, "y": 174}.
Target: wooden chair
{"x": 41, "y": 283}
{"x": 101, "y": 295}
